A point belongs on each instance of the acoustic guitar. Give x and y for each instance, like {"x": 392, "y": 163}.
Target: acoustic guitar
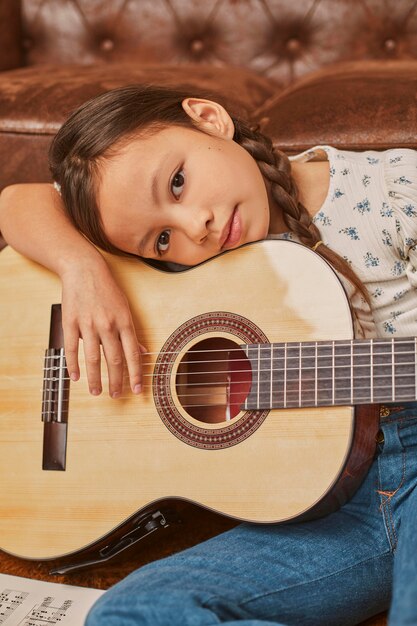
{"x": 257, "y": 403}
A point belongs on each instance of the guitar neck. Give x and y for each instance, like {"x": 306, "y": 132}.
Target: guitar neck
{"x": 326, "y": 373}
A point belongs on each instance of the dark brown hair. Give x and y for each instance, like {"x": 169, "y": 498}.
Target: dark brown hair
{"x": 94, "y": 130}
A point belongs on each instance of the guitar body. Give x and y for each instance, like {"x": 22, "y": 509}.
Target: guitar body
{"x": 122, "y": 455}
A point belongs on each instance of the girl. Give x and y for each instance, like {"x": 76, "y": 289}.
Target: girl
{"x": 176, "y": 179}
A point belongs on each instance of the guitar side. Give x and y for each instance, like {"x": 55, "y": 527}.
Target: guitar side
{"x": 121, "y": 455}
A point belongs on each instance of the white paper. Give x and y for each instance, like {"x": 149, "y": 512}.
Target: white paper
{"x": 26, "y": 602}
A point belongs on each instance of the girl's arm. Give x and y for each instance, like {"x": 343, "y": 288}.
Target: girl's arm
{"x": 94, "y": 308}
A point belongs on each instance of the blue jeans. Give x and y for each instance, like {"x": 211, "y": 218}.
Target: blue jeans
{"x": 334, "y": 571}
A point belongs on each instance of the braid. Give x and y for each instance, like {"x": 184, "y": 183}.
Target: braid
{"x": 275, "y": 167}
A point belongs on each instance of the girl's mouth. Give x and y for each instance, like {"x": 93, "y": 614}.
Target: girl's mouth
{"x": 235, "y": 230}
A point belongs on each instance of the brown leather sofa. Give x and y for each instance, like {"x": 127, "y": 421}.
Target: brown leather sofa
{"x": 279, "y": 59}
{"x": 315, "y": 71}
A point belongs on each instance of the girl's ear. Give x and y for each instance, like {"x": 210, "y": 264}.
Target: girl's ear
{"x": 210, "y": 117}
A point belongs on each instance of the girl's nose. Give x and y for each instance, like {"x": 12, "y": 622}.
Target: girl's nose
{"x": 198, "y": 222}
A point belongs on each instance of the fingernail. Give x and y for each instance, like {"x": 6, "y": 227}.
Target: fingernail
{"x": 137, "y": 388}
{"x": 96, "y": 392}
{"x": 115, "y": 394}
{"x": 74, "y": 376}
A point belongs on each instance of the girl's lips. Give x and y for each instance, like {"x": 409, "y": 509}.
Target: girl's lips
{"x": 235, "y": 230}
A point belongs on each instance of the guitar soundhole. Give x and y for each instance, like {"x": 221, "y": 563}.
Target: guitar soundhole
{"x": 213, "y": 380}
{"x": 211, "y": 423}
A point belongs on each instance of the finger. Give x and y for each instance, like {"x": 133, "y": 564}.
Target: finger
{"x": 93, "y": 363}
{"x": 133, "y": 353}
{"x": 71, "y": 341}
{"x": 113, "y": 354}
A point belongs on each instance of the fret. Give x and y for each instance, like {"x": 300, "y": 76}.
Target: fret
{"x": 362, "y": 371}
{"x": 342, "y": 372}
{"x": 372, "y": 370}
{"x": 324, "y": 374}
{"x": 292, "y": 383}
{"x": 251, "y": 401}
{"x": 278, "y": 374}
{"x": 264, "y": 376}
{"x": 259, "y": 373}
{"x": 285, "y": 375}
{"x": 404, "y": 370}
{"x": 308, "y": 372}
{"x": 382, "y": 370}
{"x": 415, "y": 366}
{"x": 392, "y": 369}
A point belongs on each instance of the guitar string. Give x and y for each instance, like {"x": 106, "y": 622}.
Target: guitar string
{"x": 282, "y": 405}
{"x": 289, "y": 392}
{"x": 262, "y": 371}
{"x": 302, "y": 346}
{"x": 298, "y": 356}
{"x": 293, "y": 382}
{"x": 307, "y": 345}
{"x": 321, "y": 383}
{"x": 291, "y": 404}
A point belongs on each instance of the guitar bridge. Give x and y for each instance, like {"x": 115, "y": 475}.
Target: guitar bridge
{"x": 55, "y": 394}
{"x": 55, "y": 397}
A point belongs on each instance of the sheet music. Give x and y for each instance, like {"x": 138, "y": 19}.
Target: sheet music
{"x": 26, "y": 602}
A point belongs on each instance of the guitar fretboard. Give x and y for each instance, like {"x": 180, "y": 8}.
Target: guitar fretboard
{"x": 325, "y": 373}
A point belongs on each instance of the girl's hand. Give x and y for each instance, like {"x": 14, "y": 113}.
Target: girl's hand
{"x": 96, "y": 310}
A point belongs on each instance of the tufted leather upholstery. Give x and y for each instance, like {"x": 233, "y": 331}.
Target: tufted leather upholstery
{"x": 60, "y": 52}
{"x": 352, "y": 106}
{"x": 278, "y": 39}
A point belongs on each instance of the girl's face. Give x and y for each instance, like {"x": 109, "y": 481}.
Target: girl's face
{"x": 182, "y": 194}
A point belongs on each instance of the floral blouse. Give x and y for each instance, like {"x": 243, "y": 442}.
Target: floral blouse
{"x": 370, "y": 218}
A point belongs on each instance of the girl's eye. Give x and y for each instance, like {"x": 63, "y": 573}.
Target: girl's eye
{"x": 162, "y": 243}
{"x": 178, "y": 183}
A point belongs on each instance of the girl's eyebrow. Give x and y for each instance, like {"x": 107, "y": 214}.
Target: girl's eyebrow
{"x": 154, "y": 184}
{"x": 155, "y": 199}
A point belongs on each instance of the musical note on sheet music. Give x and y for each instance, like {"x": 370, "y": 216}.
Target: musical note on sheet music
{"x": 26, "y": 602}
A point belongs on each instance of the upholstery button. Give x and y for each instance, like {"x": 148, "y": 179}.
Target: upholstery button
{"x": 293, "y": 45}
{"x": 197, "y": 46}
{"x": 107, "y": 45}
{"x": 390, "y": 45}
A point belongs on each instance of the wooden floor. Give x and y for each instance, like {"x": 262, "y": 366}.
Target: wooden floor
{"x": 196, "y": 526}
